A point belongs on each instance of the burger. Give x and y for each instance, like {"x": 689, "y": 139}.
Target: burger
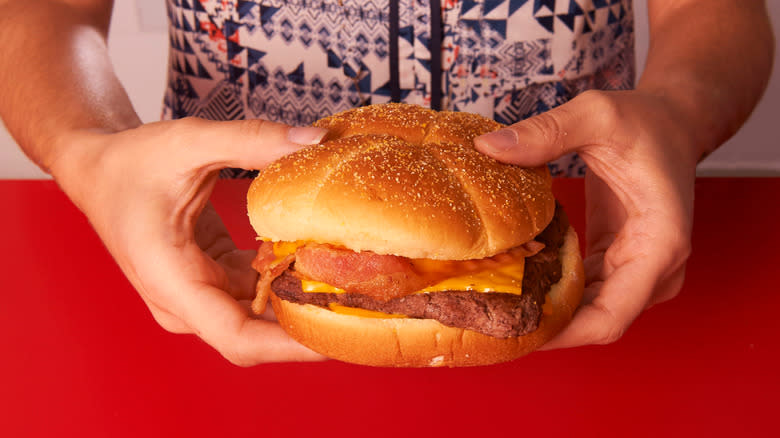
{"x": 394, "y": 242}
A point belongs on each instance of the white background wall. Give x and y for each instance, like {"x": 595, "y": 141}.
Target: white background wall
{"x": 138, "y": 45}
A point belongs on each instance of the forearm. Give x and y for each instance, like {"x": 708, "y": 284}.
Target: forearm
{"x": 56, "y": 76}
{"x": 711, "y": 59}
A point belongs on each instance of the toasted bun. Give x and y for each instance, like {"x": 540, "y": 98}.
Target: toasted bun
{"x": 404, "y": 180}
{"x": 401, "y": 342}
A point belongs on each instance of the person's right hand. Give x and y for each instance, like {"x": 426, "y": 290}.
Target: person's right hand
{"x": 145, "y": 191}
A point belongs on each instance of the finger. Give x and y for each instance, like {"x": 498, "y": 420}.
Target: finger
{"x": 668, "y": 289}
{"x": 633, "y": 270}
{"x": 162, "y": 317}
{"x": 572, "y": 126}
{"x": 191, "y": 286}
{"x": 211, "y": 234}
{"x": 225, "y": 324}
{"x": 594, "y": 267}
{"x": 213, "y": 238}
{"x": 168, "y": 322}
{"x": 609, "y": 309}
{"x": 248, "y": 144}
{"x": 604, "y": 215}
{"x": 165, "y": 319}
{"x": 241, "y": 277}
{"x": 187, "y": 283}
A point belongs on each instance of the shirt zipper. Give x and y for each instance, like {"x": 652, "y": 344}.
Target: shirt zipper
{"x": 435, "y": 49}
{"x": 395, "y": 74}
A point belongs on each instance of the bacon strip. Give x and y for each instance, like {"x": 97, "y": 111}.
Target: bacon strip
{"x": 379, "y": 276}
{"x": 269, "y": 268}
{"x": 265, "y": 256}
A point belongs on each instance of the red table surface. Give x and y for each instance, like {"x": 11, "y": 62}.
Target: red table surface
{"x": 81, "y": 355}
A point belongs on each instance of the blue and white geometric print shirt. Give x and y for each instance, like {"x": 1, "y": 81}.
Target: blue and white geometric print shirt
{"x": 295, "y": 61}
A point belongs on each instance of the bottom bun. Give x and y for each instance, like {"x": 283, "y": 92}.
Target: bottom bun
{"x": 407, "y": 342}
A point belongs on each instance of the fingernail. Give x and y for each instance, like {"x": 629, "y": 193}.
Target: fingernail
{"x": 306, "y": 135}
{"x": 499, "y": 141}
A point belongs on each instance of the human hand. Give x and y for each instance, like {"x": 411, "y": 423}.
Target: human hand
{"x": 639, "y": 200}
{"x": 145, "y": 191}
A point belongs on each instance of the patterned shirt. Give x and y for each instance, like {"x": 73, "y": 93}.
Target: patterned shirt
{"x": 295, "y": 61}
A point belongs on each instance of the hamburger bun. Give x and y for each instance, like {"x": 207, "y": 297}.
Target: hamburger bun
{"x": 403, "y": 180}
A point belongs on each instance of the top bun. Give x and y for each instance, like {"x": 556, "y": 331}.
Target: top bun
{"x": 404, "y": 180}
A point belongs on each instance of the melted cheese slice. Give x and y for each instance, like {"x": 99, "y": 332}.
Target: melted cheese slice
{"x": 283, "y": 249}
{"x": 505, "y": 278}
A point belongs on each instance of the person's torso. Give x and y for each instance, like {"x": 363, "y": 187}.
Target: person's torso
{"x": 299, "y": 60}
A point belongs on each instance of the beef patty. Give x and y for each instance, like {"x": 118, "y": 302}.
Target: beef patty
{"x": 496, "y": 314}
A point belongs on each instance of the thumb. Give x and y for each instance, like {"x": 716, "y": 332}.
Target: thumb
{"x": 545, "y": 137}
{"x": 248, "y": 144}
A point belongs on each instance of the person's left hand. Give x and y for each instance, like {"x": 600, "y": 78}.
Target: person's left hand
{"x": 639, "y": 199}
{"x": 145, "y": 191}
